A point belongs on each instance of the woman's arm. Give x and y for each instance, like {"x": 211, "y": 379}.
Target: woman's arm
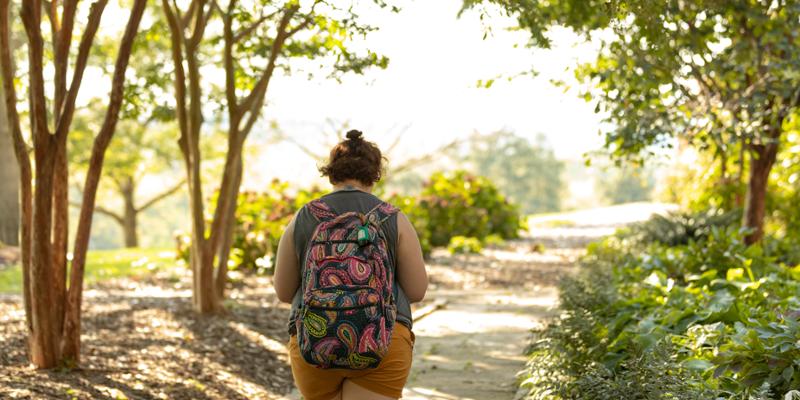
{"x": 287, "y": 271}
{"x": 411, "y": 267}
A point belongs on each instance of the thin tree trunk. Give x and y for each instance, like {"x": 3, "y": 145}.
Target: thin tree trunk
{"x": 60, "y": 230}
{"x": 740, "y": 172}
{"x": 9, "y": 181}
{"x": 46, "y": 335}
{"x": 129, "y": 229}
{"x": 227, "y": 238}
{"x": 72, "y": 323}
{"x": 762, "y": 158}
{"x": 128, "y": 192}
{"x": 208, "y": 287}
{"x": 23, "y": 161}
{"x": 190, "y": 116}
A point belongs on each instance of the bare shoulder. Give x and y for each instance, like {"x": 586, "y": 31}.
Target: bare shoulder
{"x": 404, "y": 225}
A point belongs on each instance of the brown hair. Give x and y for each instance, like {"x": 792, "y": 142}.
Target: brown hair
{"x": 354, "y": 158}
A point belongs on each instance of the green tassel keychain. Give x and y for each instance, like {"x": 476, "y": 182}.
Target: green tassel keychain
{"x": 363, "y": 235}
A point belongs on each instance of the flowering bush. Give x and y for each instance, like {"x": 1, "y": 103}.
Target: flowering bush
{"x": 261, "y": 218}
{"x": 460, "y": 204}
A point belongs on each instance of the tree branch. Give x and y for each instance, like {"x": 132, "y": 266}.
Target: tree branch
{"x": 31, "y": 19}
{"x": 200, "y": 22}
{"x": 396, "y": 142}
{"x": 229, "y": 65}
{"x": 301, "y": 26}
{"x": 426, "y": 158}
{"x": 162, "y": 196}
{"x": 186, "y": 18}
{"x": 250, "y": 29}
{"x": 277, "y": 45}
{"x": 177, "y": 41}
{"x": 62, "y": 38}
{"x": 95, "y": 14}
{"x": 101, "y": 210}
{"x": 21, "y": 152}
{"x": 305, "y": 149}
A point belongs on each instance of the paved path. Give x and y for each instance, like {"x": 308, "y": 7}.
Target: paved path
{"x": 473, "y": 348}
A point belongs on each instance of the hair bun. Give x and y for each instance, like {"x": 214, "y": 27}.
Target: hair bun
{"x": 354, "y": 135}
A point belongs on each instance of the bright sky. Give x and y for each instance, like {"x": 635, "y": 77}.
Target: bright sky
{"x": 430, "y": 86}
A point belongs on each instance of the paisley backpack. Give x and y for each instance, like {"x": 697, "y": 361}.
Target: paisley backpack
{"x": 348, "y": 308}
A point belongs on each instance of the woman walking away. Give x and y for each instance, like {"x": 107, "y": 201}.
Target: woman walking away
{"x": 350, "y": 265}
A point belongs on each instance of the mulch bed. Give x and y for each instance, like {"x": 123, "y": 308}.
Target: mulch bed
{"x": 141, "y": 340}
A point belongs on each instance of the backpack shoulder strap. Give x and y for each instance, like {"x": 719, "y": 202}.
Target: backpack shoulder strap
{"x": 321, "y": 210}
{"x": 382, "y": 212}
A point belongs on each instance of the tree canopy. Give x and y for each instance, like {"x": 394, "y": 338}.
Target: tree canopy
{"x": 720, "y": 74}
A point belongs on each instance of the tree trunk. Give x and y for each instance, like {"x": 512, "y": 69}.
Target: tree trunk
{"x": 9, "y": 182}
{"x": 72, "y": 323}
{"x": 60, "y": 230}
{"x": 762, "y": 158}
{"x": 46, "y": 333}
{"x": 23, "y": 162}
{"x": 226, "y": 240}
{"x": 186, "y": 34}
{"x": 128, "y": 191}
{"x": 53, "y": 314}
{"x": 739, "y": 201}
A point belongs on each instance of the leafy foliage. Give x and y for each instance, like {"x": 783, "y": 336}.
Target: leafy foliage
{"x": 714, "y": 71}
{"x": 680, "y": 228}
{"x": 418, "y": 216}
{"x": 459, "y": 204}
{"x": 464, "y": 245}
{"x": 641, "y": 317}
{"x": 261, "y": 219}
{"x": 721, "y": 76}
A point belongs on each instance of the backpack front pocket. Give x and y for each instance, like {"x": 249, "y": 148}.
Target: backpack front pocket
{"x": 343, "y": 327}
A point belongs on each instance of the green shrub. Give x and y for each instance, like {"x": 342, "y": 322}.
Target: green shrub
{"x": 640, "y": 318}
{"x": 261, "y": 218}
{"x": 679, "y": 228}
{"x": 464, "y": 245}
{"x": 460, "y": 204}
{"x": 418, "y": 217}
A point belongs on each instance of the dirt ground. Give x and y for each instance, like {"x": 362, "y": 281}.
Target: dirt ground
{"x": 142, "y": 341}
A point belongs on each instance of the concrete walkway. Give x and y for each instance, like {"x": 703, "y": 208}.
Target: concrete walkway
{"x": 473, "y": 348}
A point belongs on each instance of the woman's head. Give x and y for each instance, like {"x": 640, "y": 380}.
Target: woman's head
{"x": 354, "y": 159}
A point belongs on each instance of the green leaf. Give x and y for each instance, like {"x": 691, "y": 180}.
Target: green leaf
{"x": 698, "y": 364}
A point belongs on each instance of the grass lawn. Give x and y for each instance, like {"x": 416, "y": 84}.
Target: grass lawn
{"x": 103, "y": 264}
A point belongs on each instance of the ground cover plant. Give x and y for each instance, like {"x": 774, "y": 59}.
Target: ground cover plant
{"x": 709, "y": 318}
